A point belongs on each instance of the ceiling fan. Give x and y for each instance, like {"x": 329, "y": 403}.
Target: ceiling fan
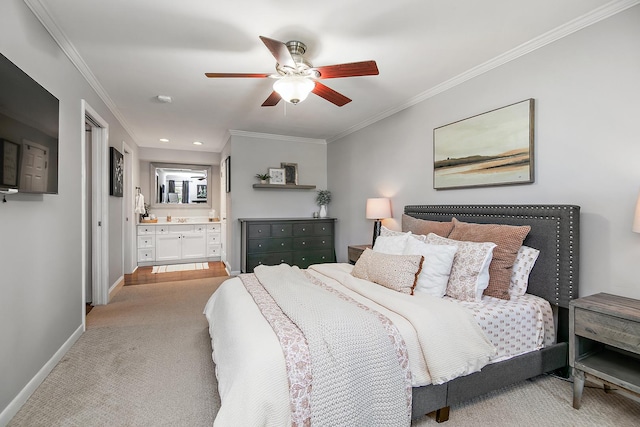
{"x": 296, "y": 77}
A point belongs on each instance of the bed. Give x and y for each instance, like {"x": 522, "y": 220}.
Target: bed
{"x": 241, "y": 338}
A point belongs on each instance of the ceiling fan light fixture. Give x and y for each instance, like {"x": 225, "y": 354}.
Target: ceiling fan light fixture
{"x": 294, "y": 89}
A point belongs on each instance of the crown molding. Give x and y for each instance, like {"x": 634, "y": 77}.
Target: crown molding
{"x": 286, "y": 138}
{"x": 549, "y": 37}
{"x": 44, "y": 16}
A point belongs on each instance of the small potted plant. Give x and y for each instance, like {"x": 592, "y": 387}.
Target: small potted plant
{"x": 323, "y": 199}
{"x": 263, "y": 177}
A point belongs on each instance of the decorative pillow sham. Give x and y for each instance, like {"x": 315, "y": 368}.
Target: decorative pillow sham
{"x": 508, "y": 239}
{"x": 469, "y": 275}
{"x": 424, "y": 227}
{"x": 396, "y": 272}
{"x": 525, "y": 260}
{"x": 385, "y": 232}
{"x": 393, "y": 245}
{"x": 436, "y": 267}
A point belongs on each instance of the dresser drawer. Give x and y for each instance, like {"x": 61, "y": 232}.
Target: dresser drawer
{"x": 269, "y": 245}
{"x": 302, "y": 243}
{"x": 268, "y": 259}
{"x": 281, "y": 230}
{"x": 213, "y": 227}
{"x": 214, "y": 250}
{"x": 258, "y": 230}
{"x": 146, "y": 229}
{"x": 199, "y": 228}
{"x": 303, "y": 229}
{"x": 607, "y": 329}
{"x": 305, "y": 259}
{"x": 146, "y": 254}
{"x": 146, "y": 242}
{"x": 323, "y": 229}
{"x": 214, "y": 238}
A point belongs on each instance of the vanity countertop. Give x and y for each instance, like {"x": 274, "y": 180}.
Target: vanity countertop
{"x": 175, "y": 221}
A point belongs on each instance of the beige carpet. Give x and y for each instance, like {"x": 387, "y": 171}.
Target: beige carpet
{"x": 145, "y": 360}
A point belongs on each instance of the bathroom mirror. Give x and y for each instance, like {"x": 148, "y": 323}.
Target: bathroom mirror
{"x": 180, "y": 185}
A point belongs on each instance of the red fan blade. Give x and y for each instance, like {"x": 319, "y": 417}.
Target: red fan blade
{"x": 249, "y": 75}
{"x": 352, "y": 69}
{"x": 330, "y": 94}
{"x": 279, "y": 51}
{"x": 272, "y": 100}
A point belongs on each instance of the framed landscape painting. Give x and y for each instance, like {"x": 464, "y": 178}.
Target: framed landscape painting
{"x": 493, "y": 148}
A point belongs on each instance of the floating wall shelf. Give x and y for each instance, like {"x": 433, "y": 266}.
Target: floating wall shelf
{"x": 285, "y": 187}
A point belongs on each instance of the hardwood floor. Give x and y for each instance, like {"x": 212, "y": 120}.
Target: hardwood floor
{"x": 143, "y": 275}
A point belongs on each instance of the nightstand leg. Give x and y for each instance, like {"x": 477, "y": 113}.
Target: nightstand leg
{"x": 578, "y": 386}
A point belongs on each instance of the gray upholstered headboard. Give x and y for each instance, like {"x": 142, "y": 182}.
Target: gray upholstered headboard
{"x": 555, "y": 232}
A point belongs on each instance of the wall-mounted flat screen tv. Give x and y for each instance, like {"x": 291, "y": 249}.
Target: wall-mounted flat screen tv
{"x": 29, "y": 117}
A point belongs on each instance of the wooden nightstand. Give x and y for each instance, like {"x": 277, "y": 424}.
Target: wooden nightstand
{"x": 355, "y": 251}
{"x": 604, "y": 342}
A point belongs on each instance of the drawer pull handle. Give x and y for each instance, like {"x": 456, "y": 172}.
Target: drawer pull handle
{"x": 259, "y": 231}
{"x": 259, "y": 262}
{"x": 323, "y": 242}
{"x": 282, "y": 244}
{"x": 282, "y": 230}
{"x": 281, "y": 260}
{"x": 259, "y": 246}
{"x": 304, "y": 229}
{"x": 304, "y": 243}
{"x": 322, "y": 257}
{"x": 304, "y": 259}
{"x": 323, "y": 228}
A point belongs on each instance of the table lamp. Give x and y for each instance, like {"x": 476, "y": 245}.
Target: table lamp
{"x": 378, "y": 209}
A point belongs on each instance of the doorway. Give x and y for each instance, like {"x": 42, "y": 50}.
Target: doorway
{"x": 95, "y": 224}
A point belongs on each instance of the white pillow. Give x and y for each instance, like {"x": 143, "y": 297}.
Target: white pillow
{"x": 436, "y": 267}
{"x": 384, "y": 231}
{"x": 393, "y": 245}
{"x": 470, "y": 270}
{"x": 525, "y": 259}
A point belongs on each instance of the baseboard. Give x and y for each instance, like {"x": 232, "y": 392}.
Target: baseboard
{"x": 115, "y": 288}
{"x": 12, "y": 409}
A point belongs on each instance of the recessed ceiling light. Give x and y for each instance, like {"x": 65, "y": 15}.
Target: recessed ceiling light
{"x": 197, "y": 143}
{"x": 165, "y": 99}
{"x": 164, "y": 140}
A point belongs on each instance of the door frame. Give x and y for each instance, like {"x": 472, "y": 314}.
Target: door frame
{"x": 130, "y": 260}
{"x": 100, "y": 206}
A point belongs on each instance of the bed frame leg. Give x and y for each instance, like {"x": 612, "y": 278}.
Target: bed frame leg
{"x": 442, "y": 414}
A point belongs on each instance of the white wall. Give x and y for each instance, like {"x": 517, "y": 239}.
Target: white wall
{"x": 587, "y": 147}
{"x": 254, "y": 154}
{"x": 41, "y": 302}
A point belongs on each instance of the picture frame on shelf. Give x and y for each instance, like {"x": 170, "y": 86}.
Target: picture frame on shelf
{"x": 277, "y": 176}
{"x": 489, "y": 149}
{"x": 290, "y": 173}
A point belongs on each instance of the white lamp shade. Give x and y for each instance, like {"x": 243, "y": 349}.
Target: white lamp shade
{"x": 378, "y": 208}
{"x": 636, "y": 217}
{"x": 294, "y": 89}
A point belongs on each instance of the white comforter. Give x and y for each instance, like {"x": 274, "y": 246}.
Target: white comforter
{"x": 443, "y": 341}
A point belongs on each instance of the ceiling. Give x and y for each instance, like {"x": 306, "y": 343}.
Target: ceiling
{"x": 133, "y": 51}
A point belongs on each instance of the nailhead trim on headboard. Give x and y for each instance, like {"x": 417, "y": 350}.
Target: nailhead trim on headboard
{"x": 555, "y": 229}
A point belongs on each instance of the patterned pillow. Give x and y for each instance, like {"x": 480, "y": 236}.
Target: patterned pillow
{"x": 424, "y": 227}
{"x": 436, "y": 267}
{"x": 508, "y": 239}
{"x": 525, "y": 260}
{"x": 393, "y": 245}
{"x": 470, "y": 270}
{"x": 397, "y": 272}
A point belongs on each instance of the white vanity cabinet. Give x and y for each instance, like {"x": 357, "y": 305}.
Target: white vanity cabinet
{"x": 214, "y": 241}
{"x": 180, "y": 242}
{"x": 146, "y": 243}
{"x": 175, "y": 243}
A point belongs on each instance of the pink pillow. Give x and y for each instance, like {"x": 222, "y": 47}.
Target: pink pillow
{"x": 397, "y": 272}
{"x": 508, "y": 239}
